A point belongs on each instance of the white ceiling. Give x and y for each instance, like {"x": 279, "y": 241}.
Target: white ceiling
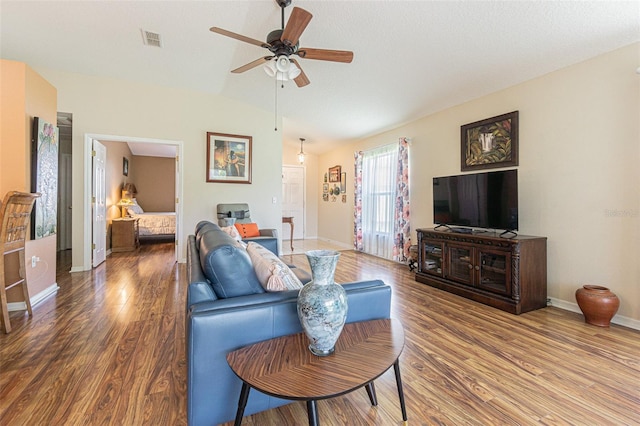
{"x": 411, "y": 58}
{"x": 152, "y": 149}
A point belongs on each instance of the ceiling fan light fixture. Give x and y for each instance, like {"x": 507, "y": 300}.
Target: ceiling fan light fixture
{"x": 282, "y": 69}
{"x": 283, "y": 64}
{"x": 270, "y": 68}
{"x": 294, "y": 71}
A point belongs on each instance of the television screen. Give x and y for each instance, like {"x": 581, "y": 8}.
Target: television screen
{"x": 479, "y": 200}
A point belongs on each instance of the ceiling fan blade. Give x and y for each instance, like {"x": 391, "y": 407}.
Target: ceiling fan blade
{"x": 239, "y": 37}
{"x": 326, "y": 54}
{"x": 298, "y": 21}
{"x": 302, "y": 79}
{"x": 251, "y": 65}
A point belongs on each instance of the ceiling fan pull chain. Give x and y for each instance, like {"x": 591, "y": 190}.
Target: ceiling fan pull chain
{"x": 275, "y": 118}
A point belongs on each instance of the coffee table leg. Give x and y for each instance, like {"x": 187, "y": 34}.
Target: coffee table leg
{"x": 396, "y": 369}
{"x": 242, "y": 403}
{"x": 312, "y": 413}
{"x": 371, "y": 391}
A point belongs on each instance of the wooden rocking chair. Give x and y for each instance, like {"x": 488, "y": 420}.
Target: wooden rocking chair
{"x": 15, "y": 213}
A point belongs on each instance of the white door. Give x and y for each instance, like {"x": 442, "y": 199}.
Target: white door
{"x": 98, "y": 204}
{"x": 293, "y": 201}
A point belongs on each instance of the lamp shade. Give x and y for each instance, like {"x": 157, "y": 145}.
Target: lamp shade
{"x": 301, "y": 153}
{"x": 294, "y": 71}
{"x": 281, "y": 68}
{"x": 283, "y": 63}
{"x": 270, "y": 68}
{"x": 125, "y": 202}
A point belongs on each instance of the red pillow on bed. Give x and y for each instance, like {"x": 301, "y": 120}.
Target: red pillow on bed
{"x": 247, "y": 230}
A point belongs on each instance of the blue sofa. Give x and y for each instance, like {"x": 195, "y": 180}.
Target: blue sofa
{"x": 227, "y": 309}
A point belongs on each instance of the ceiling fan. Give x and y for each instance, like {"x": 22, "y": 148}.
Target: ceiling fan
{"x": 283, "y": 43}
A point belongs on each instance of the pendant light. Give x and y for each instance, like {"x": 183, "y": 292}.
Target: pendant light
{"x": 301, "y": 153}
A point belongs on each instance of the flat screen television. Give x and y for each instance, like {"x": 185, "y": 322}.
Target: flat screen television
{"x": 479, "y": 200}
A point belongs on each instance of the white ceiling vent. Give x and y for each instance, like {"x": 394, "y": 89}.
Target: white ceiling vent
{"x": 151, "y": 39}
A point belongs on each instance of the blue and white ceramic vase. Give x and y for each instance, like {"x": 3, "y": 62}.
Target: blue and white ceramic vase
{"x": 322, "y": 304}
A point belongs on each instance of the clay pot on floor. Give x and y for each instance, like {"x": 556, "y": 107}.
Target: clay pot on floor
{"x": 598, "y": 304}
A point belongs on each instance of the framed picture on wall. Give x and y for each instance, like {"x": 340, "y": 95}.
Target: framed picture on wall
{"x": 334, "y": 173}
{"x": 125, "y": 166}
{"x": 343, "y": 182}
{"x": 490, "y": 143}
{"x": 228, "y": 158}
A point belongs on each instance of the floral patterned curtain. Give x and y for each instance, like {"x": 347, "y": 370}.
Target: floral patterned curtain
{"x": 357, "y": 212}
{"x": 401, "y": 225}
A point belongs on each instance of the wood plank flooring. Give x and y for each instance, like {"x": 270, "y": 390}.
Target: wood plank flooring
{"x": 109, "y": 349}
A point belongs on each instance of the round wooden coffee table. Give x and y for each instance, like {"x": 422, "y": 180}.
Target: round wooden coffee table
{"x": 285, "y": 368}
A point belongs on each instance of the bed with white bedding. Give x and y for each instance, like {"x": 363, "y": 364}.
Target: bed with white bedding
{"x": 153, "y": 225}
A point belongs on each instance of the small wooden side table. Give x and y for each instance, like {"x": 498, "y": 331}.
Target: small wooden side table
{"x": 285, "y": 368}
{"x": 289, "y": 220}
{"x": 124, "y": 234}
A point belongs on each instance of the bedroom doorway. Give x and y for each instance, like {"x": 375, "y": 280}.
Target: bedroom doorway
{"x": 150, "y": 145}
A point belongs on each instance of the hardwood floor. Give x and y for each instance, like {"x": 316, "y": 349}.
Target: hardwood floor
{"x": 109, "y": 349}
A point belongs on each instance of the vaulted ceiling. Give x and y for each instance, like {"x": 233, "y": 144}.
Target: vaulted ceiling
{"x": 411, "y": 58}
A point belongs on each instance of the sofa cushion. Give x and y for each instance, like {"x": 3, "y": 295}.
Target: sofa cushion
{"x": 227, "y": 266}
{"x": 247, "y": 230}
{"x": 232, "y": 231}
{"x": 203, "y": 227}
{"x": 273, "y": 274}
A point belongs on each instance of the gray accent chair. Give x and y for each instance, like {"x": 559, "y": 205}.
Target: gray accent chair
{"x": 227, "y": 212}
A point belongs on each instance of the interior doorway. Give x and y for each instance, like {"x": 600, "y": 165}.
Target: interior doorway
{"x": 88, "y": 181}
{"x": 293, "y": 201}
{"x": 65, "y": 123}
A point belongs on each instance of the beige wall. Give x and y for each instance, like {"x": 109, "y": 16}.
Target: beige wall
{"x": 578, "y": 172}
{"x": 25, "y": 95}
{"x": 335, "y": 218}
{"x": 155, "y": 179}
{"x": 290, "y": 157}
{"x": 115, "y": 107}
{"x": 14, "y": 131}
{"x": 114, "y": 178}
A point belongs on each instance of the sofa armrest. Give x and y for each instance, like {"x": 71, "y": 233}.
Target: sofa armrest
{"x": 269, "y": 232}
{"x": 214, "y": 330}
{"x": 199, "y": 288}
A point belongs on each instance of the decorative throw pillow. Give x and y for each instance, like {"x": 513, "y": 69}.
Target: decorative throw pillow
{"x": 135, "y": 208}
{"x": 232, "y": 231}
{"x": 247, "y": 230}
{"x": 272, "y": 272}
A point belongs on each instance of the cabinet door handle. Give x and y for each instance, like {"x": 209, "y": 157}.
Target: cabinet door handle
{"x": 470, "y": 266}
{"x": 477, "y": 268}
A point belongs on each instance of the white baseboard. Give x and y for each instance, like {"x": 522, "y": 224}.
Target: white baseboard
{"x": 337, "y": 243}
{"x": 573, "y": 307}
{"x": 21, "y": 306}
{"x": 76, "y": 269}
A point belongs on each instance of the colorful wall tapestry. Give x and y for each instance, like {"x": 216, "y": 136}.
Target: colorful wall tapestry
{"x": 44, "y": 178}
